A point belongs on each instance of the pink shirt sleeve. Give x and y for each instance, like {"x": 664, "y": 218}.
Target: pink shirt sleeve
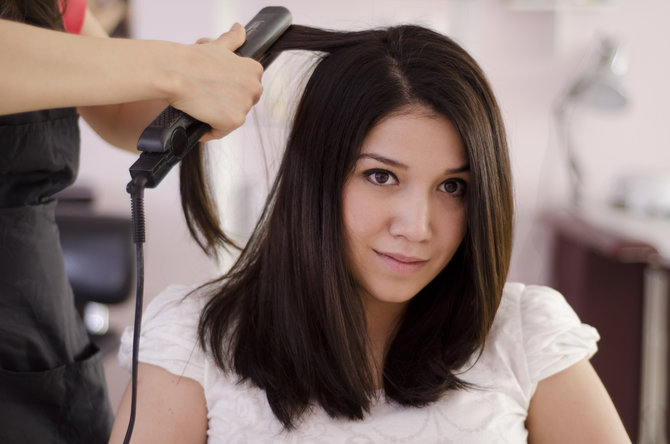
{"x": 73, "y": 15}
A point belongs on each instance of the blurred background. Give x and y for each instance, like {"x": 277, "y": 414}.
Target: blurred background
{"x": 583, "y": 86}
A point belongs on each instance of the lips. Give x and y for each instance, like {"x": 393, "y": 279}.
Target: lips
{"x": 401, "y": 264}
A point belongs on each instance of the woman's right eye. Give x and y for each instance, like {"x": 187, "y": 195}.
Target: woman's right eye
{"x": 380, "y": 177}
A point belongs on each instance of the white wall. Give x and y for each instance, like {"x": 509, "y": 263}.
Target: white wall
{"x": 529, "y": 57}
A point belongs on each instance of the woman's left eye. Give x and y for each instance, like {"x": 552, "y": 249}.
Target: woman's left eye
{"x": 454, "y": 187}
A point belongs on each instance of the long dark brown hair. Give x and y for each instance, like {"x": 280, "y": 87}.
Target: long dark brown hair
{"x": 44, "y": 13}
{"x": 287, "y": 316}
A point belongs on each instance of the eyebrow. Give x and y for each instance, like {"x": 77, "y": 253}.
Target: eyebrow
{"x": 397, "y": 164}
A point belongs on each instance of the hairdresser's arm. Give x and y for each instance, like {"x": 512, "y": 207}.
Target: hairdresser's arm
{"x": 49, "y": 69}
{"x": 573, "y": 406}
{"x": 170, "y": 409}
{"x": 118, "y": 124}
{"x": 227, "y": 83}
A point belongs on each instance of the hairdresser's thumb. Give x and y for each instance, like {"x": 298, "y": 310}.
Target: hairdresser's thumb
{"x": 234, "y": 38}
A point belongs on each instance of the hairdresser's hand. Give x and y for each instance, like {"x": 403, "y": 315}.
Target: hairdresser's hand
{"x": 218, "y": 87}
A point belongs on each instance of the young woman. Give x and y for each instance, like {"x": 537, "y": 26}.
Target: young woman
{"x": 370, "y": 303}
{"x": 52, "y": 386}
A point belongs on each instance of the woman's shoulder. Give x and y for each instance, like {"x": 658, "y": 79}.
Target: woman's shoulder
{"x": 537, "y": 309}
{"x": 529, "y": 305}
{"x": 175, "y": 300}
{"x": 169, "y": 333}
{"x": 537, "y": 322}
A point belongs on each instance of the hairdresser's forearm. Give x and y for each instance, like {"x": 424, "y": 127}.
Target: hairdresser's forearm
{"x": 48, "y": 69}
{"x": 121, "y": 125}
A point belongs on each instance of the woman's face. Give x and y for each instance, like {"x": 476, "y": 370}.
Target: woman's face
{"x": 404, "y": 205}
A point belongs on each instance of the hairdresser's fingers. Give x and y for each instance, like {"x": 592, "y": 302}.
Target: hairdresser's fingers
{"x": 234, "y": 38}
{"x": 230, "y": 39}
{"x": 216, "y": 85}
{"x": 233, "y": 118}
{"x": 241, "y": 90}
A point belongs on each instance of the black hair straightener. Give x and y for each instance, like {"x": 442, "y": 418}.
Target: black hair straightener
{"x": 174, "y": 133}
{"x": 167, "y": 140}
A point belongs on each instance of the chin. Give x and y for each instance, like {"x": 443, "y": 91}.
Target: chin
{"x": 393, "y": 294}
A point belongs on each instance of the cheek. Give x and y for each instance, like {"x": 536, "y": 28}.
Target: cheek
{"x": 461, "y": 223}
{"x": 451, "y": 233}
{"x": 352, "y": 219}
{"x": 362, "y": 215}
{"x": 363, "y": 222}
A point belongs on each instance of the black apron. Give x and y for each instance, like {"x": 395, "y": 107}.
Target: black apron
{"x": 52, "y": 385}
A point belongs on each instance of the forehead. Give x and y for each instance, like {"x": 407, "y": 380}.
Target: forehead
{"x": 417, "y": 136}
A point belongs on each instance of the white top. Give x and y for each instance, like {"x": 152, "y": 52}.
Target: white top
{"x": 535, "y": 334}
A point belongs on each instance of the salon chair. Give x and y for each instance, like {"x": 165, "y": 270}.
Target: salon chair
{"x": 99, "y": 260}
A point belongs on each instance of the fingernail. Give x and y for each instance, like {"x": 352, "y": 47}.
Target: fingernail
{"x": 235, "y": 27}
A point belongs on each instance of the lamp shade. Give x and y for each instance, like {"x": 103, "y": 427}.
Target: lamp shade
{"x": 599, "y": 85}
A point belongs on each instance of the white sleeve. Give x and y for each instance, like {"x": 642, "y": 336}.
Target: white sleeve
{"x": 169, "y": 337}
{"x": 554, "y": 338}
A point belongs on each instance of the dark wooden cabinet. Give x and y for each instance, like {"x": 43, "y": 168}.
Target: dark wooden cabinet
{"x": 604, "y": 270}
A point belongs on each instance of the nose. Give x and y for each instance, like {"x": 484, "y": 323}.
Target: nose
{"x": 412, "y": 217}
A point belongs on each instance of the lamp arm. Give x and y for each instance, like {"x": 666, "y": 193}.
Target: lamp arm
{"x": 563, "y": 111}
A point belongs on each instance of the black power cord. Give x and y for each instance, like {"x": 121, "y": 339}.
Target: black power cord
{"x": 166, "y": 141}
{"x": 136, "y": 190}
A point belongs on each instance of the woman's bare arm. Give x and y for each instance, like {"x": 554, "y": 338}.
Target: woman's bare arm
{"x": 574, "y": 407}
{"x": 170, "y": 409}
